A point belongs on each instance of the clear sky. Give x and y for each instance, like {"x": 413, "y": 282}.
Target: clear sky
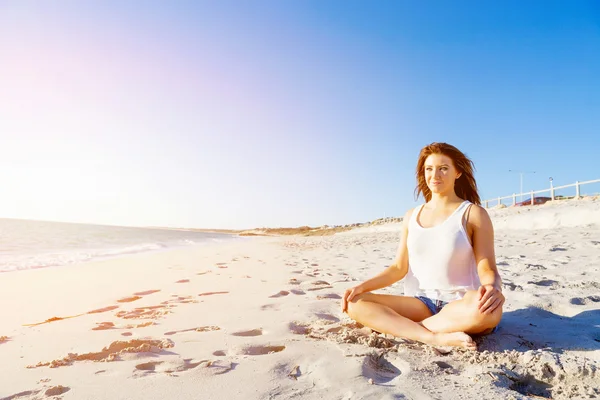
{"x": 243, "y": 114}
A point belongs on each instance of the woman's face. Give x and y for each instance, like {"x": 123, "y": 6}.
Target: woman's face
{"x": 440, "y": 173}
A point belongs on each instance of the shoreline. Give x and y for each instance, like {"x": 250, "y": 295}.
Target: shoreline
{"x": 110, "y": 253}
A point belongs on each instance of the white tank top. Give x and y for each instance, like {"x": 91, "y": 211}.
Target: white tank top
{"x": 441, "y": 260}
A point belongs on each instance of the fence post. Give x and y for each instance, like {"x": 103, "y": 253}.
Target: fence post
{"x": 551, "y": 191}
{"x": 576, "y": 189}
{"x": 514, "y": 199}
{"x": 486, "y": 204}
{"x": 499, "y": 202}
{"x": 532, "y": 197}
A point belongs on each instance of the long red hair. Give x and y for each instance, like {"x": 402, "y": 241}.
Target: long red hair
{"x": 465, "y": 186}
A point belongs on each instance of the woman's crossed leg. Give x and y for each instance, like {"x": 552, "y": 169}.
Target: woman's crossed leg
{"x": 410, "y": 318}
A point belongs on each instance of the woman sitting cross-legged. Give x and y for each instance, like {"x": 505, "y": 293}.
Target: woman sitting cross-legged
{"x": 452, "y": 288}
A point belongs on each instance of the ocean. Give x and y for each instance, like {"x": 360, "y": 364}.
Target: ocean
{"x": 26, "y": 244}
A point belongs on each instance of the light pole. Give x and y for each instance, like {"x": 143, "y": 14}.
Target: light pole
{"x": 521, "y": 173}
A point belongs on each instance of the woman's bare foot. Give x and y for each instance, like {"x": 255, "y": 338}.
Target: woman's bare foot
{"x": 456, "y": 339}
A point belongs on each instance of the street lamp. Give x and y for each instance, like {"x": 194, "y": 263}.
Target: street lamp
{"x": 521, "y": 173}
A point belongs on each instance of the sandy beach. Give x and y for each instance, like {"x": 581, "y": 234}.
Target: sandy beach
{"x": 261, "y": 319}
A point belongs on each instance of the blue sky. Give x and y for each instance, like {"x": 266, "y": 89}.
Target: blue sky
{"x": 279, "y": 113}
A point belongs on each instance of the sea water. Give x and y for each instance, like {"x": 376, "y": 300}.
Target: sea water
{"x": 26, "y": 244}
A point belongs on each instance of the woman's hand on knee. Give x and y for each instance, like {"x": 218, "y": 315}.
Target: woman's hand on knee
{"x": 490, "y": 298}
{"x": 349, "y": 294}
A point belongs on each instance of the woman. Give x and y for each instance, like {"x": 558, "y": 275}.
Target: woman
{"x": 446, "y": 257}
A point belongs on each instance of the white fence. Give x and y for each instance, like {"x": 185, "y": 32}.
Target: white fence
{"x": 551, "y": 190}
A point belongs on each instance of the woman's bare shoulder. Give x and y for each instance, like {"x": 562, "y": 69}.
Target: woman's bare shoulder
{"x": 407, "y": 217}
{"x": 409, "y": 213}
{"x": 478, "y": 216}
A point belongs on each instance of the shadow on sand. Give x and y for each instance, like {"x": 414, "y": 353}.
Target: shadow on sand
{"x": 533, "y": 328}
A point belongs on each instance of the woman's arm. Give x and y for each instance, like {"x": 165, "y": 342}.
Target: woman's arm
{"x": 490, "y": 292}
{"x": 398, "y": 269}
{"x": 390, "y": 275}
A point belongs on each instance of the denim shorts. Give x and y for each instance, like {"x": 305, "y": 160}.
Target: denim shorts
{"x": 434, "y": 305}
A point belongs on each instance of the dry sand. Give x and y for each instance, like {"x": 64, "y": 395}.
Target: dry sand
{"x": 261, "y": 320}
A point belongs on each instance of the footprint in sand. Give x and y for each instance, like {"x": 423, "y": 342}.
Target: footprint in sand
{"x": 147, "y": 292}
{"x": 253, "y": 332}
{"x": 260, "y": 350}
{"x": 168, "y": 367}
{"x": 149, "y": 366}
{"x": 327, "y": 317}
{"x": 101, "y": 310}
{"x": 180, "y": 299}
{"x": 299, "y": 328}
{"x": 580, "y": 301}
{"x": 545, "y": 282}
{"x": 535, "y": 266}
{"x": 219, "y": 353}
{"x": 110, "y": 325}
{"x": 329, "y": 296}
{"x": 294, "y": 281}
{"x": 34, "y": 394}
{"x": 104, "y": 326}
{"x": 280, "y": 294}
{"x": 513, "y": 286}
{"x": 4, "y": 339}
{"x": 19, "y": 395}
{"x": 203, "y": 272}
{"x": 297, "y": 292}
{"x": 152, "y": 312}
{"x": 216, "y": 367}
{"x": 129, "y": 299}
{"x": 183, "y": 281}
{"x": 270, "y": 307}
{"x": 312, "y": 289}
{"x": 381, "y": 370}
{"x": 320, "y": 285}
{"x": 199, "y": 329}
{"x": 556, "y": 248}
{"x": 112, "y": 352}
{"x": 56, "y": 390}
{"x": 211, "y": 293}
